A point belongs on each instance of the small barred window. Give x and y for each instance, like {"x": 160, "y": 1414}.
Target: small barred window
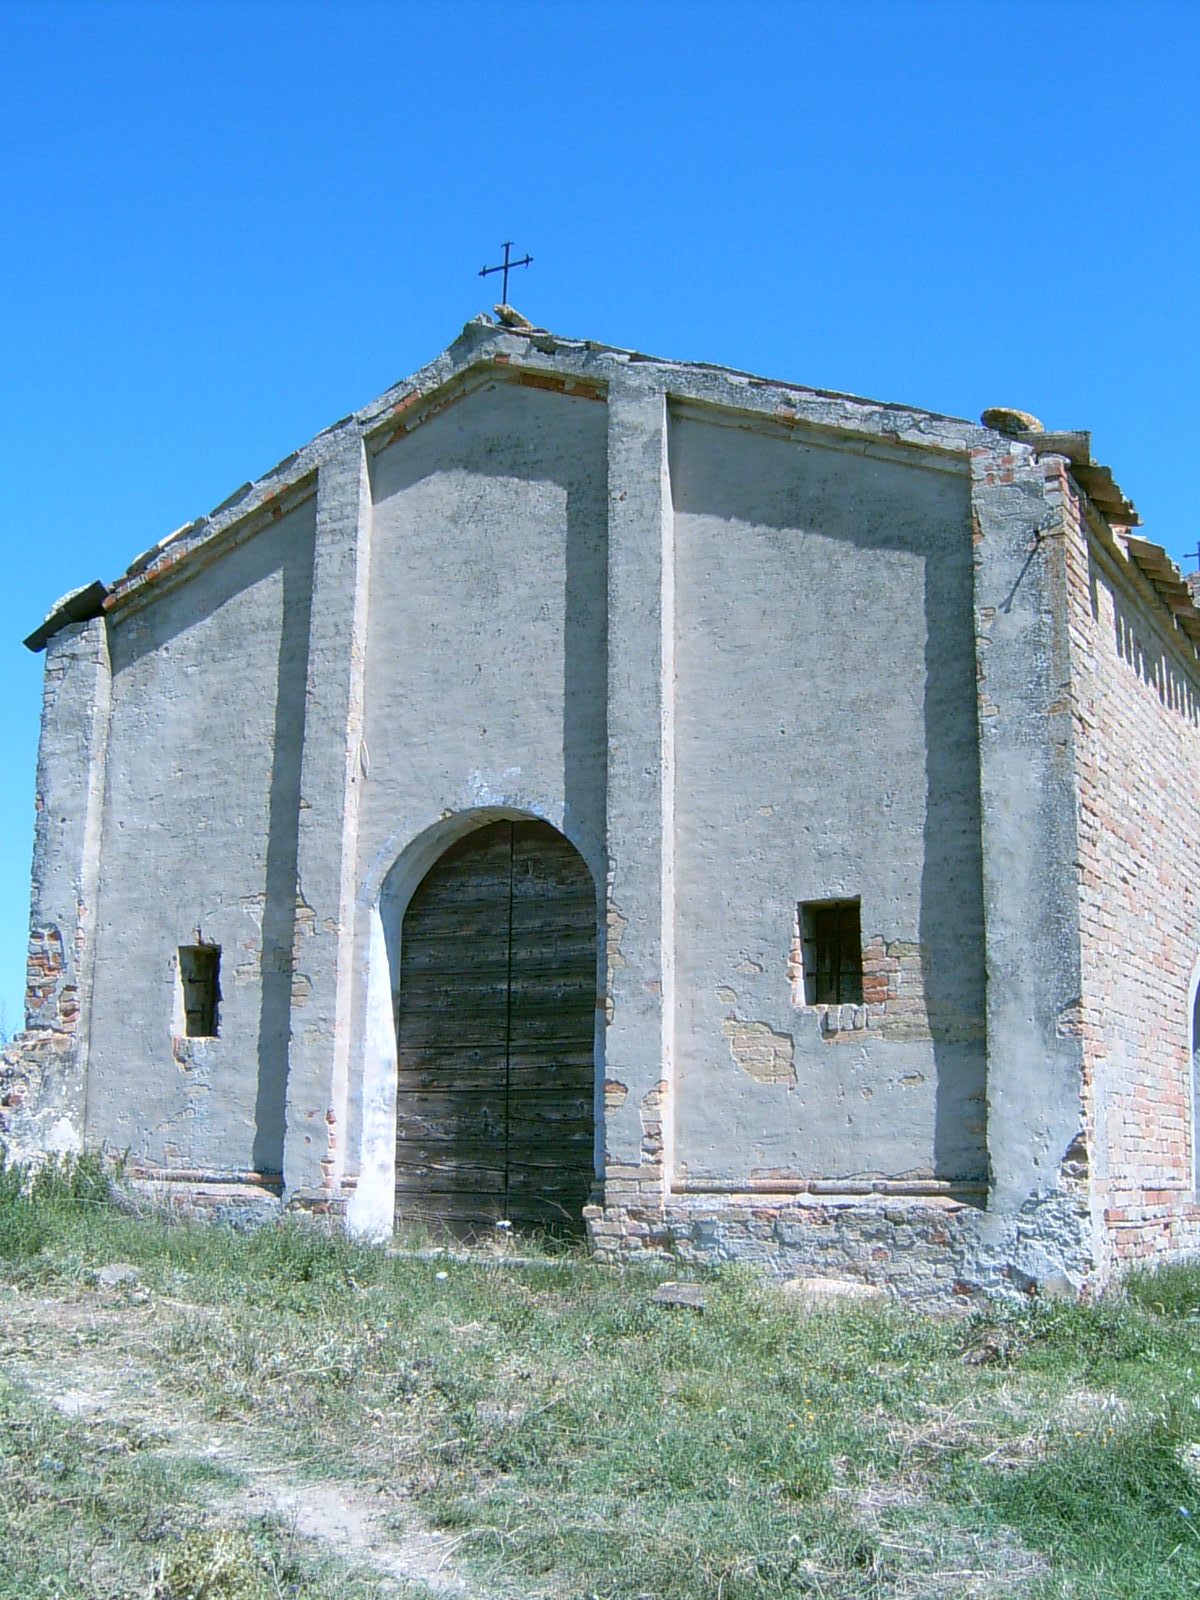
{"x": 831, "y": 931}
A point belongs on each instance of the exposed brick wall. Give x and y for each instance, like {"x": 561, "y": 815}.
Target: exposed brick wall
{"x": 50, "y": 1002}
{"x": 631, "y": 1190}
{"x": 894, "y": 1003}
{"x": 1136, "y": 702}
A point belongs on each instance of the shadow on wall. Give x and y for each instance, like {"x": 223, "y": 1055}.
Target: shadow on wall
{"x": 282, "y": 908}
{"x": 951, "y": 917}
{"x": 1152, "y": 665}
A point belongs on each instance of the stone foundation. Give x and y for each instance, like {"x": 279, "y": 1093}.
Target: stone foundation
{"x": 32, "y": 1125}
{"x": 929, "y": 1250}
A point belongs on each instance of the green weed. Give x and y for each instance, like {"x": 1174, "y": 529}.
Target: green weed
{"x": 1171, "y": 1291}
{"x": 31, "y": 1203}
{"x": 213, "y": 1563}
{"x": 1117, "y": 1505}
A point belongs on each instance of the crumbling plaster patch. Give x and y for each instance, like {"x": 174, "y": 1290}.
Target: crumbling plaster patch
{"x": 761, "y": 1053}
{"x": 45, "y": 969}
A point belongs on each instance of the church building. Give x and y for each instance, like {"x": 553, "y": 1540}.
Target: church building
{"x": 595, "y": 793}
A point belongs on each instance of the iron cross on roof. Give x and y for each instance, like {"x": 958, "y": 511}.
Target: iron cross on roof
{"x": 1192, "y": 555}
{"x": 503, "y": 267}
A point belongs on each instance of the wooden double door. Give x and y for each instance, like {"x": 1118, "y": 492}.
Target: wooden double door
{"x": 495, "y": 1029}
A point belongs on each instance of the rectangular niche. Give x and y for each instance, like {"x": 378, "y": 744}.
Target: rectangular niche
{"x": 200, "y": 986}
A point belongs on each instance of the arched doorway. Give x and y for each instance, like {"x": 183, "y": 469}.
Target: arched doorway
{"x": 495, "y": 1027}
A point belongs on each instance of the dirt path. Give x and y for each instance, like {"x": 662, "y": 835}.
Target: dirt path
{"x": 80, "y": 1353}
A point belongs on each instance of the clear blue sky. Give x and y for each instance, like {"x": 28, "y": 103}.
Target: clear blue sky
{"x": 227, "y": 226}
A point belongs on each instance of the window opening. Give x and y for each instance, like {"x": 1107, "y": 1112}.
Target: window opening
{"x": 199, "y": 976}
{"x": 832, "y": 934}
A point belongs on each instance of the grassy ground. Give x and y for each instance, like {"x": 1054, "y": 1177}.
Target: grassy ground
{"x": 548, "y": 1430}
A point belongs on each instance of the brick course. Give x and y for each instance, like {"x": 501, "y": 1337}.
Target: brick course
{"x": 1135, "y": 690}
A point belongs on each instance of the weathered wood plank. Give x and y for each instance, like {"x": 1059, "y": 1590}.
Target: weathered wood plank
{"x": 540, "y": 1082}
{"x": 483, "y": 1136}
{"x": 525, "y": 1124}
{"x": 455, "y": 1177}
{"x": 530, "y": 1027}
{"x": 537, "y": 1105}
{"x": 455, "y": 1069}
{"x": 530, "y": 1163}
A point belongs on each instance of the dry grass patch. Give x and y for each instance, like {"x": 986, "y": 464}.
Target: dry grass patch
{"x": 542, "y": 1428}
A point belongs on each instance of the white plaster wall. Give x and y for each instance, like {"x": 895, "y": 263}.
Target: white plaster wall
{"x": 200, "y": 834}
{"x": 825, "y": 748}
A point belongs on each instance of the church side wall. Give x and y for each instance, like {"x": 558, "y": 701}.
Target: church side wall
{"x": 200, "y": 829}
{"x": 1137, "y": 720}
{"x": 826, "y": 750}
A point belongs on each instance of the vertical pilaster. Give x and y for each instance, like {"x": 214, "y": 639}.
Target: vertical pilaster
{"x": 331, "y": 775}
{"x": 640, "y": 804}
{"x": 1029, "y": 826}
{"x": 372, "y": 1207}
{"x": 76, "y": 701}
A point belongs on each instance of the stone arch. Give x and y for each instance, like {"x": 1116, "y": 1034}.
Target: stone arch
{"x": 372, "y": 1207}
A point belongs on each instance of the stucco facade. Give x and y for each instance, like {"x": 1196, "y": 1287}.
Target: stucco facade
{"x": 762, "y": 655}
